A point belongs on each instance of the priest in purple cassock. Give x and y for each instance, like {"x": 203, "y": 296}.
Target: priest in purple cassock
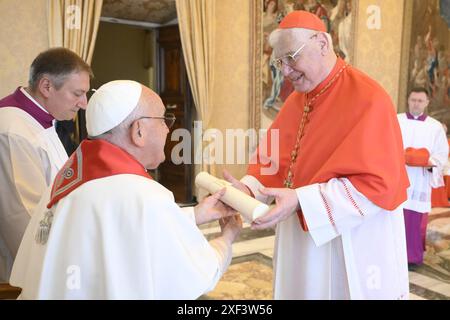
{"x": 426, "y": 151}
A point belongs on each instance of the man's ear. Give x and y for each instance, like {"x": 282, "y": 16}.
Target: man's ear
{"x": 137, "y": 134}
{"x": 324, "y": 43}
{"x": 44, "y": 86}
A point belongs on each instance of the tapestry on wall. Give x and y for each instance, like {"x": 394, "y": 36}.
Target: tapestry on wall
{"x": 430, "y": 55}
{"x": 337, "y": 16}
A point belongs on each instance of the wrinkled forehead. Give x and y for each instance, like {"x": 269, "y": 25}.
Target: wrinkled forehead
{"x": 152, "y": 102}
{"x": 284, "y": 41}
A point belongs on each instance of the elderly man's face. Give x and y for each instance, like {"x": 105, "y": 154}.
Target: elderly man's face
{"x": 64, "y": 103}
{"x": 156, "y": 129}
{"x": 307, "y": 71}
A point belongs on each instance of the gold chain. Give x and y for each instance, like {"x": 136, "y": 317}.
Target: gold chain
{"x": 306, "y": 111}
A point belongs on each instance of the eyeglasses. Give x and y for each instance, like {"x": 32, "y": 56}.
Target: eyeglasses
{"x": 290, "y": 59}
{"x": 169, "y": 119}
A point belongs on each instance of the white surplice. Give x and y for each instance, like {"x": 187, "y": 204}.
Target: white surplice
{"x": 30, "y": 157}
{"x": 427, "y": 134}
{"x": 119, "y": 237}
{"x": 353, "y": 249}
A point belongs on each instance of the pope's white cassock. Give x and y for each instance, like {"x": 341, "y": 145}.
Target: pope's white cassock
{"x": 118, "y": 237}
{"x": 107, "y": 230}
{"x": 30, "y": 156}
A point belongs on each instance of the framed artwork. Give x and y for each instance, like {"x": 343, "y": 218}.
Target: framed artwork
{"x": 269, "y": 88}
{"x": 429, "y": 55}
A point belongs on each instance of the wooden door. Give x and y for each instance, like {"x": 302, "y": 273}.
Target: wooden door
{"x": 173, "y": 87}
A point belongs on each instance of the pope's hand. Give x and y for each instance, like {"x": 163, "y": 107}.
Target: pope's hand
{"x": 235, "y": 182}
{"x": 286, "y": 204}
{"x": 231, "y": 227}
{"x": 211, "y": 208}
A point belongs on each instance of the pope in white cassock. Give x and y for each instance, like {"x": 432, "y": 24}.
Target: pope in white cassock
{"x": 30, "y": 150}
{"x": 106, "y": 230}
{"x": 426, "y": 152}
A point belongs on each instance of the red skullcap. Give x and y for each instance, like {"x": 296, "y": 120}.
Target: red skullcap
{"x": 302, "y": 19}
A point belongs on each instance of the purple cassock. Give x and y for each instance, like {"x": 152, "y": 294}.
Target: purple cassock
{"x": 415, "y": 224}
{"x": 416, "y": 233}
{"x": 19, "y": 100}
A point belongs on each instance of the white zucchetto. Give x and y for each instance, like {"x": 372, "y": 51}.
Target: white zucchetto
{"x": 110, "y": 105}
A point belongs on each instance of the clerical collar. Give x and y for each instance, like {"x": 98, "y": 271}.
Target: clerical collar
{"x": 22, "y": 89}
{"x": 23, "y": 100}
{"x": 422, "y": 117}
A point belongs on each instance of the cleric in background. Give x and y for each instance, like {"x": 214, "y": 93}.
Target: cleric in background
{"x": 426, "y": 152}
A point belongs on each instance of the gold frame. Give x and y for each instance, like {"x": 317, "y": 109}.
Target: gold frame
{"x": 255, "y": 103}
{"x": 405, "y": 56}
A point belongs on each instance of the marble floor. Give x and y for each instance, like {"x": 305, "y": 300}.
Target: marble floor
{"x": 250, "y": 274}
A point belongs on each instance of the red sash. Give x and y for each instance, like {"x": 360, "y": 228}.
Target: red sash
{"x": 94, "y": 159}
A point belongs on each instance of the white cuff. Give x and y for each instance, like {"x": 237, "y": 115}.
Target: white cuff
{"x": 190, "y": 212}
{"x": 317, "y": 214}
{"x": 432, "y": 161}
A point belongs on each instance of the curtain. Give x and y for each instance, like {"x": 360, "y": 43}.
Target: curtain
{"x": 73, "y": 24}
{"x": 196, "y": 23}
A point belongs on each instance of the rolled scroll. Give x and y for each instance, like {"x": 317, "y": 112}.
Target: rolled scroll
{"x": 248, "y": 207}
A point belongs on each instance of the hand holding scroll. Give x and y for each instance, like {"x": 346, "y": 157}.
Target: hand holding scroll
{"x": 249, "y": 207}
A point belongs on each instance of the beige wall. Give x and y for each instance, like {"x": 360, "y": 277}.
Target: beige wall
{"x": 378, "y": 52}
{"x": 23, "y": 34}
{"x": 231, "y": 83}
{"x": 119, "y": 54}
